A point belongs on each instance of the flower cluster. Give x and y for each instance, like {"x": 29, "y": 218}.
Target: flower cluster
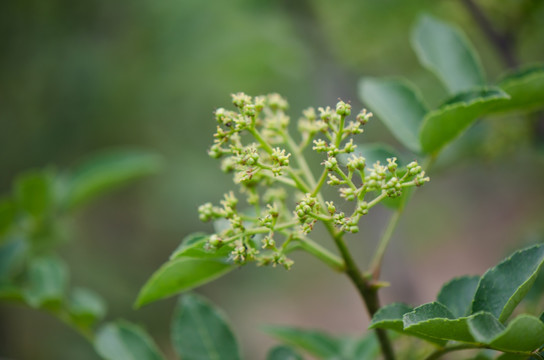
{"x": 255, "y": 145}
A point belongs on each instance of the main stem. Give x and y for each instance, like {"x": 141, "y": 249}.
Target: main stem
{"x": 367, "y": 291}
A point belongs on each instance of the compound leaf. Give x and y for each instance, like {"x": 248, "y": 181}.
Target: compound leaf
{"x": 180, "y": 274}
{"x": 457, "y": 295}
{"x": 502, "y": 287}
{"x": 445, "y": 50}
{"x": 125, "y": 341}
{"x": 200, "y": 331}
{"x": 398, "y": 104}
{"x": 443, "y": 125}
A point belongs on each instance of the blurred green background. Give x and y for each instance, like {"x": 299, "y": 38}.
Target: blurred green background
{"x": 82, "y": 76}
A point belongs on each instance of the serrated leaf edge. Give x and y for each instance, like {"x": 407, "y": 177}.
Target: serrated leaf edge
{"x": 509, "y": 258}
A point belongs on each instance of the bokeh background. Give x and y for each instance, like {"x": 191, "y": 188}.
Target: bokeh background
{"x": 81, "y": 76}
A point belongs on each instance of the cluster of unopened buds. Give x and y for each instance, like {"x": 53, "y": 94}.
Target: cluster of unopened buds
{"x": 255, "y": 145}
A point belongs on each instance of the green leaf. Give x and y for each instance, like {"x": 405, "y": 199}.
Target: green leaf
{"x": 125, "y": 341}
{"x": 399, "y": 105}
{"x": 46, "y": 283}
{"x": 180, "y": 274}
{"x": 390, "y": 317}
{"x": 195, "y": 246}
{"x": 314, "y": 342}
{"x": 526, "y": 90}
{"x": 445, "y": 50}
{"x": 457, "y": 295}
{"x": 443, "y": 125}
{"x": 7, "y": 215}
{"x": 436, "y": 321}
{"x": 283, "y": 353}
{"x": 502, "y": 287}
{"x": 188, "y": 241}
{"x": 524, "y": 333}
{"x": 201, "y": 332}
{"x": 108, "y": 171}
{"x": 12, "y": 255}
{"x": 34, "y": 192}
{"x": 86, "y": 307}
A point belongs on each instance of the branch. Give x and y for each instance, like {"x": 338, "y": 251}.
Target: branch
{"x": 504, "y": 43}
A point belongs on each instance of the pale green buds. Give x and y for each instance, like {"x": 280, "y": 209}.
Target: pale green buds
{"x": 331, "y": 163}
{"x": 348, "y": 194}
{"x": 320, "y": 145}
{"x": 343, "y": 109}
{"x": 334, "y": 180}
{"x": 276, "y": 102}
{"x": 362, "y": 208}
{"x": 255, "y": 144}
{"x": 363, "y": 117}
{"x": 421, "y": 179}
{"x": 414, "y": 168}
{"x": 207, "y": 212}
{"x": 240, "y": 100}
{"x": 330, "y": 207}
{"x": 310, "y": 114}
{"x": 215, "y": 242}
{"x": 279, "y": 160}
{"x": 356, "y": 163}
{"x": 392, "y": 164}
{"x": 325, "y": 114}
{"x": 349, "y": 147}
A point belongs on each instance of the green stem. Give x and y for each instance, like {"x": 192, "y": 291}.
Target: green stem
{"x": 323, "y": 254}
{"x": 366, "y": 290}
{"x": 340, "y": 131}
{"x": 345, "y": 177}
{"x": 320, "y": 182}
{"x": 301, "y": 161}
{"x": 377, "y": 199}
{"x": 376, "y": 263}
{"x": 257, "y": 135}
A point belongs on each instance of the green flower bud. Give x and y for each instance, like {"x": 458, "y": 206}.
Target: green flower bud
{"x": 240, "y": 100}
{"x": 331, "y": 163}
{"x": 363, "y": 117}
{"x": 343, "y": 109}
